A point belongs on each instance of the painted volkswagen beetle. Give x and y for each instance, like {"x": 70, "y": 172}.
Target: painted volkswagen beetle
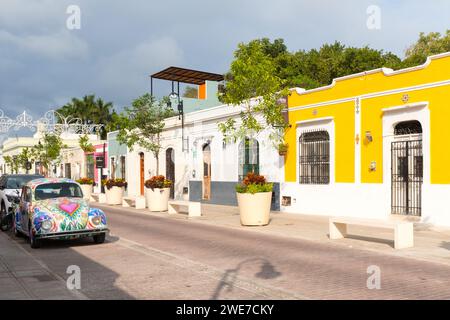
{"x": 55, "y": 208}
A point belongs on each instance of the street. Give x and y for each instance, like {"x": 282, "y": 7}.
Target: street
{"x": 152, "y": 257}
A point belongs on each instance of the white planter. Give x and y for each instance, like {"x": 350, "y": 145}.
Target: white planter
{"x": 114, "y": 195}
{"x": 87, "y": 190}
{"x": 254, "y": 209}
{"x": 157, "y": 199}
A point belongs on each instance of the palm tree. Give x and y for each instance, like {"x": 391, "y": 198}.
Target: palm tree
{"x": 91, "y": 110}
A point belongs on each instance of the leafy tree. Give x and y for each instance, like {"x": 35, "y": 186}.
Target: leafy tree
{"x": 427, "y": 45}
{"x": 12, "y": 163}
{"x": 142, "y": 124}
{"x": 91, "y": 110}
{"x": 49, "y": 151}
{"x": 315, "y": 68}
{"x": 254, "y": 86}
{"x": 25, "y": 157}
{"x": 190, "y": 92}
{"x": 84, "y": 144}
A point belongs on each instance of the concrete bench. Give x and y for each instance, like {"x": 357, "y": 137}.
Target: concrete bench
{"x": 403, "y": 231}
{"x": 194, "y": 208}
{"x": 138, "y": 202}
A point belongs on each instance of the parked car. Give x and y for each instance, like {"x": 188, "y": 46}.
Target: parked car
{"x": 10, "y": 188}
{"x": 56, "y": 209}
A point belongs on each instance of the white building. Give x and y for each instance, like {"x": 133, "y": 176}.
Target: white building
{"x": 204, "y": 165}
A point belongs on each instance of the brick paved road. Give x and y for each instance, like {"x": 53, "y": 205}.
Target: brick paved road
{"x": 158, "y": 258}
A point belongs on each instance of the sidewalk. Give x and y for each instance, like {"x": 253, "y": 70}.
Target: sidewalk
{"x": 431, "y": 244}
{"x": 24, "y": 277}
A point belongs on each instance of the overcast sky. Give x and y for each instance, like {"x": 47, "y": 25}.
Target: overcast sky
{"x": 43, "y": 63}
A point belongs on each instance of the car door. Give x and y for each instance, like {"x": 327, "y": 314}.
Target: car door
{"x": 25, "y": 202}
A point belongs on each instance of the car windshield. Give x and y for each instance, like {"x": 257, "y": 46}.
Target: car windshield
{"x": 19, "y": 181}
{"x": 57, "y": 190}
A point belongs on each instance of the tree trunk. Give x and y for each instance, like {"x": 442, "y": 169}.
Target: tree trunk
{"x": 157, "y": 163}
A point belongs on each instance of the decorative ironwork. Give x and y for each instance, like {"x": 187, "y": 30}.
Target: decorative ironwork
{"x": 407, "y": 169}
{"x": 314, "y": 161}
{"x": 407, "y": 177}
{"x": 408, "y": 127}
{"x": 52, "y": 121}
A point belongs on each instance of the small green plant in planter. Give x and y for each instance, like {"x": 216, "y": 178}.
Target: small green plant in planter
{"x": 254, "y": 197}
{"x": 114, "y": 190}
{"x": 254, "y": 183}
{"x": 158, "y": 193}
{"x": 282, "y": 149}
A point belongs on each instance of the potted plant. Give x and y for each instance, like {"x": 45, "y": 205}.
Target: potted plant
{"x": 254, "y": 196}
{"x": 114, "y": 190}
{"x": 282, "y": 149}
{"x": 158, "y": 192}
{"x": 86, "y": 185}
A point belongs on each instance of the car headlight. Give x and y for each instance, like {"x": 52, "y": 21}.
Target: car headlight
{"x": 96, "y": 220}
{"x": 46, "y": 225}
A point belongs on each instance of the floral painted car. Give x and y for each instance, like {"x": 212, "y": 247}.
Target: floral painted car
{"x": 55, "y": 208}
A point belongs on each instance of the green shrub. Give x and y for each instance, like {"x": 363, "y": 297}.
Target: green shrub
{"x": 254, "y": 183}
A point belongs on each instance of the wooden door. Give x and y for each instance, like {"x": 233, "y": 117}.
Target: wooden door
{"x": 142, "y": 172}
{"x": 206, "y": 172}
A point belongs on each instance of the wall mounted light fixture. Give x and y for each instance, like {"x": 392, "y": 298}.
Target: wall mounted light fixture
{"x": 369, "y": 136}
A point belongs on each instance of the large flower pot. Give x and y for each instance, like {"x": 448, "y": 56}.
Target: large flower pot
{"x": 87, "y": 190}
{"x": 157, "y": 199}
{"x": 114, "y": 195}
{"x": 254, "y": 208}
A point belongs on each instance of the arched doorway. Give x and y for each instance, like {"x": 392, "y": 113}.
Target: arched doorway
{"x": 142, "y": 172}
{"x": 206, "y": 194}
{"x": 170, "y": 169}
{"x": 407, "y": 169}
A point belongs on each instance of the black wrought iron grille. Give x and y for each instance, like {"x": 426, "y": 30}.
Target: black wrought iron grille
{"x": 407, "y": 177}
{"x": 314, "y": 159}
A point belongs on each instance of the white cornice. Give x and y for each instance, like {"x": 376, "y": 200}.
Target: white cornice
{"x": 422, "y": 104}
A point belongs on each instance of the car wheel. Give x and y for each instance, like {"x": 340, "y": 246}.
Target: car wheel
{"x": 34, "y": 243}
{"x": 17, "y": 233}
{"x": 100, "y": 238}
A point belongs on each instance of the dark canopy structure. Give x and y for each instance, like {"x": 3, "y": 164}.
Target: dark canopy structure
{"x": 182, "y": 75}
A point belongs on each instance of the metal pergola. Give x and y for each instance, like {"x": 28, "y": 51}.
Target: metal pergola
{"x": 182, "y": 75}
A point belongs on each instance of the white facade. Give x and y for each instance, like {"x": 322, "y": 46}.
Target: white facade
{"x": 201, "y": 127}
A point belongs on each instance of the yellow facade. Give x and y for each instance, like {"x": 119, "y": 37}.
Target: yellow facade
{"x": 375, "y": 90}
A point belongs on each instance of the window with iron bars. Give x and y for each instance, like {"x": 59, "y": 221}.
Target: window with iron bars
{"x": 314, "y": 159}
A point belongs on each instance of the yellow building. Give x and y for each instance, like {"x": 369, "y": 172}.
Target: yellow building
{"x": 372, "y": 144}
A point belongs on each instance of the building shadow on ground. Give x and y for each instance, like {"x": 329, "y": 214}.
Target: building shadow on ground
{"x": 97, "y": 280}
